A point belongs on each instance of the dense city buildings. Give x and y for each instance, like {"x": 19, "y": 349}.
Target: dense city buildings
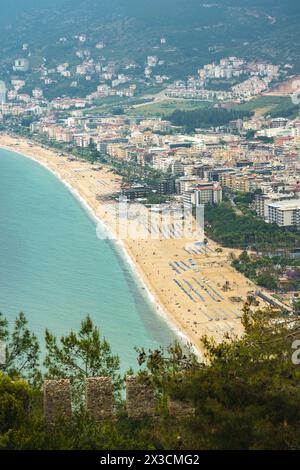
{"x": 150, "y": 228}
{"x": 250, "y": 154}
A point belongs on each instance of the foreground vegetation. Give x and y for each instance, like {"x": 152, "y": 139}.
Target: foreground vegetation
{"x": 246, "y": 394}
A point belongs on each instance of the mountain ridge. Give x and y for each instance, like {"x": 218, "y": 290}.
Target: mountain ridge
{"x": 197, "y": 34}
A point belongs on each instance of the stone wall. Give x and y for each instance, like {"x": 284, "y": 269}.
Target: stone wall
{"x": 99, "y": 397}
{"x": 57, "y": 400}
{"x": 140, "y": 398}
{"x": 180, "y": 409}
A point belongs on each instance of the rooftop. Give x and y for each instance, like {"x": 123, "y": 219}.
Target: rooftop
{"x": 292, "y": 204}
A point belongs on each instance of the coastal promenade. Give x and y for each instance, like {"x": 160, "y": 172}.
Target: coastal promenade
{"x": 194, "y": 286}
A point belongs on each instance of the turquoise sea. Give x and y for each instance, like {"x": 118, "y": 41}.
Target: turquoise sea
{"x": 55, "y": 269}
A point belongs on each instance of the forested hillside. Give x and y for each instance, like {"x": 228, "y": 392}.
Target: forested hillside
{"x": 196, "y": 33}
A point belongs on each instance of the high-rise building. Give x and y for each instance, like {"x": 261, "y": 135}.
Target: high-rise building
{"x": 202, "y": 194}
{"x": 208, "y": 193}
{"x": 285, "y": 213}
{"x": 2, "y": 92}
{"x": 262, "y": 202}
{"x": 236, "y": 182}
{"x": 21, "y": 65}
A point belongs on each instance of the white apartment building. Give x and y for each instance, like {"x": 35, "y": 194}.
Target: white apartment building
{"x": 186, "y": 183}
{"x": 262, "y": 202}
{"x": 21, "y": 65}
{"x": 206, "y": 193}
{"x": 2, "y": 92}
{"x": 285, "y": 213}
{"x": 177, "y": 167}
{"x": 210, "y": 194}
{"x": 296, "y": 132}
{"x": 276, "y": 132}
{"x": 165, "y": 163}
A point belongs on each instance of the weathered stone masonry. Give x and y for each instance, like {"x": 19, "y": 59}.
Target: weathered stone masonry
{"x": 140, "y": 400}
{"x": 99, "y": 397}
{"x": 57, "y": 400}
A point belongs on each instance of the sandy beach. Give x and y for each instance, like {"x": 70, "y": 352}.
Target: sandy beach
{"x": 195, "y": 287}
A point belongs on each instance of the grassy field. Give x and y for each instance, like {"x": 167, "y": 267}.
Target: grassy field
{"x": 265, "y": 105}
{"x": 111, "y": 103}
{"x": 262, "y": 106}
{"x": 166, "y": 107}
{"x": 148, "y": 109}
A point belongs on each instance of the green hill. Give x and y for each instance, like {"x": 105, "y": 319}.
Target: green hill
{"x": 196, "y": 33}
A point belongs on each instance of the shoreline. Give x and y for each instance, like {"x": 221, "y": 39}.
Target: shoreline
{"x": 214, "y": 313}
{"x": 121, "y": 250}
